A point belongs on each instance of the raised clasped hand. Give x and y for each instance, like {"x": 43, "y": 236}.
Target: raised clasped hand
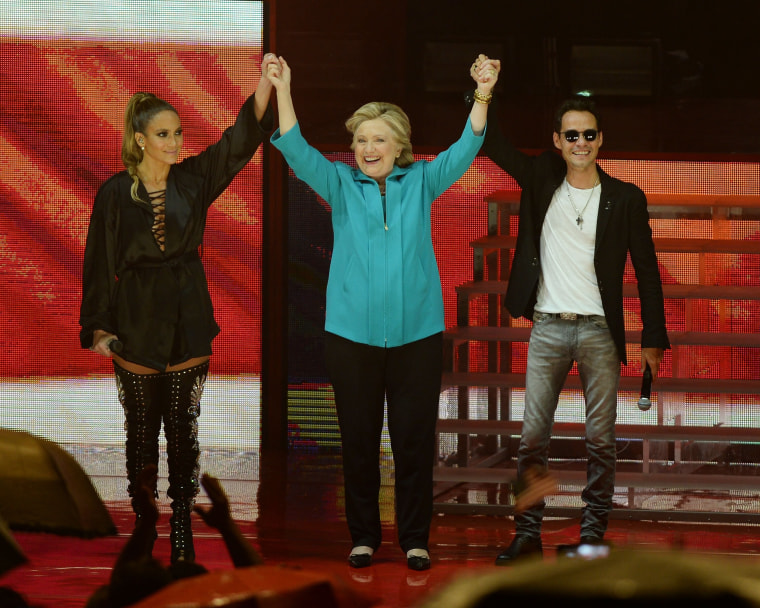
{"x": 269, "y": 60}
{"x": 278, "y": 72}
{"x": 485, "y": 72}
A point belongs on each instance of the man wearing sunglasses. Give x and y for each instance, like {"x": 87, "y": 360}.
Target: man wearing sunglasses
{"x": 577, "y": 226}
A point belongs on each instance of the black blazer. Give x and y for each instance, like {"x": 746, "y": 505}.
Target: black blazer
{"x": 622, "y": 227}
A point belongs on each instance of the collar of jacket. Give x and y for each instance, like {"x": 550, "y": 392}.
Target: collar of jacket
{"x": 397, "y": 173}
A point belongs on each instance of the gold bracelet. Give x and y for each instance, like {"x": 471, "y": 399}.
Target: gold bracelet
{"x": 480, "y": 98}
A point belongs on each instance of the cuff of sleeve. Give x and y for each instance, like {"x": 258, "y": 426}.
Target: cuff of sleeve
{"x": 267, "y": 121}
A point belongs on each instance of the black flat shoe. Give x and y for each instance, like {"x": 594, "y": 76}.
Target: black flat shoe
{"x": 592, "y": 540}
{"x": 521, "y": 546}
{"x": 360, "y": 560}
{"x": 418, "y": 562}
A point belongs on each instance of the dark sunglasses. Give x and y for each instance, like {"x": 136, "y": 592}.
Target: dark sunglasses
{"x": 572, "y": 135}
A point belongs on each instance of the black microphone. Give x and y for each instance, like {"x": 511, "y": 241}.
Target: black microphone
{"x": 646, "y": 390}
{"x": 115, "y": 346}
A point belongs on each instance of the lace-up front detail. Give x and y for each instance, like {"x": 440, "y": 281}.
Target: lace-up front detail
{"x": 158, "y": 202}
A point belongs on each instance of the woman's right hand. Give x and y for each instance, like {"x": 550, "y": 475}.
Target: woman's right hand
{"x": 279, "y": 74}
{"x": 101, "y": 341}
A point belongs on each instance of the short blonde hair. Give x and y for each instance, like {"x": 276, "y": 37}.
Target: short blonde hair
{"x": 395, "y": 118}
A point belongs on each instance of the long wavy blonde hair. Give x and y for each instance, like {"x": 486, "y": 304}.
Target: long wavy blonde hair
{"x": 395, "y": 118}
{"x": 141, "y": 109}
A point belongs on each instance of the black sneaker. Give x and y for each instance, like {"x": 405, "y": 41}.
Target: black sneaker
{"x": 418, "y": 562}
{"x": 521, "y": 547}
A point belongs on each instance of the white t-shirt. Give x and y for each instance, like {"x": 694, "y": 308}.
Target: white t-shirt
{"x": 568, "y": 280}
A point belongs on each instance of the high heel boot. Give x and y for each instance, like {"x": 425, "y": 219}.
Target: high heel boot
{"x": 181, "y": 428}
{"x": 141, "y": 397}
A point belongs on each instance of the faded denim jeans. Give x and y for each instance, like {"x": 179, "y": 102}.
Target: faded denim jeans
{"x": 555, "y": 344}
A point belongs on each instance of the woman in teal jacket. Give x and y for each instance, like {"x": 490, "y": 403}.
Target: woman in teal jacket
{"x": 384, "y": 310}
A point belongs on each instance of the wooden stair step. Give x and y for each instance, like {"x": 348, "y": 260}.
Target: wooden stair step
{"x": 661, "y": 245}
{"x": 660, "y": 432}
{"x": 677, "y": 338}
{"x": 627, "y": 383}
{"x": 678, "y": 481}
{"x": 472, "y": 289}
{"x": 668, "y": 206}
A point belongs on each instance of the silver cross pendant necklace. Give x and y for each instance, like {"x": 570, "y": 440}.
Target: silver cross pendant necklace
{"x": 579, "y": 214}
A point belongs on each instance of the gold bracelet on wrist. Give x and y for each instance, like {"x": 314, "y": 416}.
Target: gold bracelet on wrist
{"x": 480, "y": 98}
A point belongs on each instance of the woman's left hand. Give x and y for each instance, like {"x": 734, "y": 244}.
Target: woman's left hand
{"x": 485, "y": 73}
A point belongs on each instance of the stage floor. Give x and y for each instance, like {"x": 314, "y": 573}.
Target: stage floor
{"x": 300, "y": 523}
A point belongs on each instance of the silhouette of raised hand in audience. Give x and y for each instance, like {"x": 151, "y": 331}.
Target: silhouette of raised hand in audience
{"x": 218, "y": 516}
{"x": 136, "y": 574}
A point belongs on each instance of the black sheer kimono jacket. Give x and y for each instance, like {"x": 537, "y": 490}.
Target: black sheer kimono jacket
{"x": 157, "y": 302}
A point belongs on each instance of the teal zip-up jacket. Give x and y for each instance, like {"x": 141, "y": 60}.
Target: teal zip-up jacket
{"x": 384, "y": 288}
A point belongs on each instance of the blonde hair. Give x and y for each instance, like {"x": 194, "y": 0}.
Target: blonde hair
{"x": 141, "y": 109}
{"x": 395, "y": 118}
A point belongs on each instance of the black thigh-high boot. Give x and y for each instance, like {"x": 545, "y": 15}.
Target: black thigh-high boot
{"x": 141, "y": 397}
{"x": 185, "y": 388}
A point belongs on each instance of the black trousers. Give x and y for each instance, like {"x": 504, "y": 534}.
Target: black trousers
{"x": 409, "y": 377}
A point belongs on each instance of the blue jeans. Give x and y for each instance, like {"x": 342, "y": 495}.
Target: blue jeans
{"x": 554, "y": 344}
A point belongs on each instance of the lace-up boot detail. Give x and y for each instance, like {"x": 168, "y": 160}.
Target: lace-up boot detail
{"x": 185, "y": 388}
{"x": 140, "y": 396}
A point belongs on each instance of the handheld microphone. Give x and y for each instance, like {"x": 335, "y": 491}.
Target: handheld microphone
{"x": 115, "y": 346}
{"x": 646, "y": 390}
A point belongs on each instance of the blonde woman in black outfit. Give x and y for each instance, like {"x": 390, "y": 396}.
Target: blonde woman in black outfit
{"x": 144, "y": 287}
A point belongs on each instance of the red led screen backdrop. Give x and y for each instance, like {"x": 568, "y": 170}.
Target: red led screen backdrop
{"x": 67, "y": 72}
